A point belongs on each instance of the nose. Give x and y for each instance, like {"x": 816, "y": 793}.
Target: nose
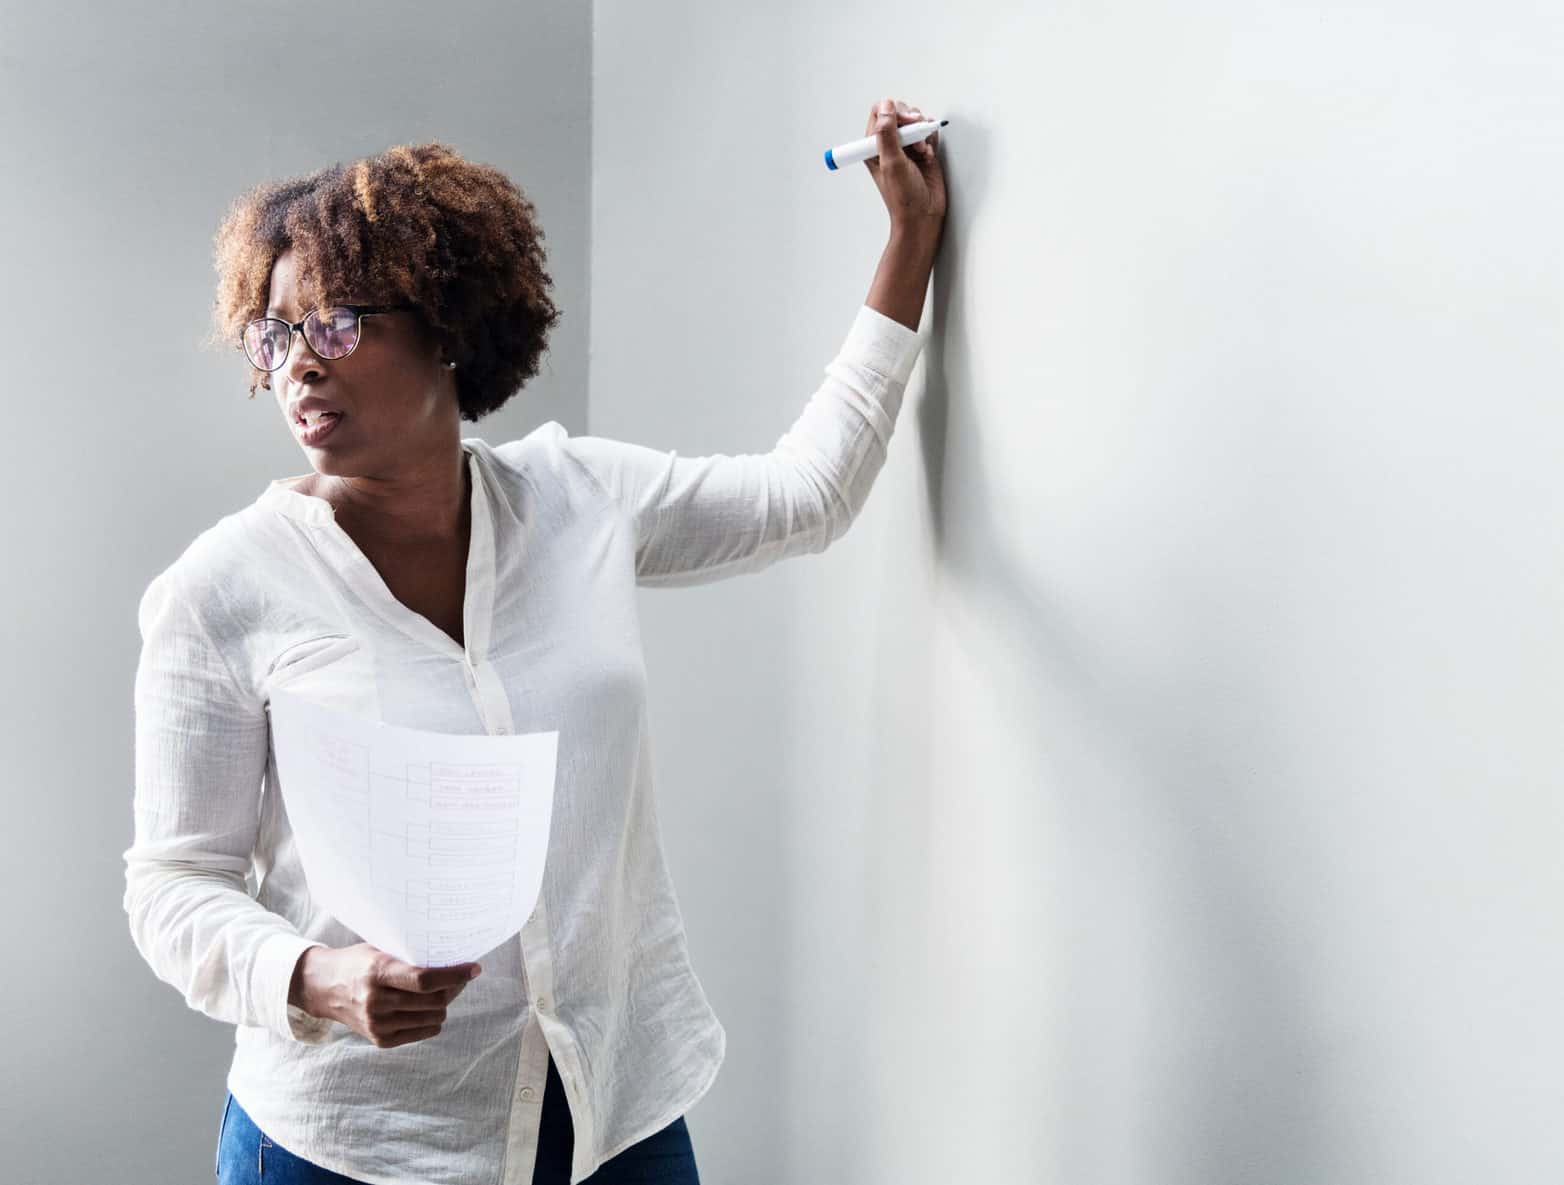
{"x": 301, "y": 362}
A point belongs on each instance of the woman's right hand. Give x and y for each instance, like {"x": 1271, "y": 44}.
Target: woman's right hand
{"x": 375, "y": 994}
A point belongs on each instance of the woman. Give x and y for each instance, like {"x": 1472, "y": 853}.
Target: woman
{"x": 430, "y": 580}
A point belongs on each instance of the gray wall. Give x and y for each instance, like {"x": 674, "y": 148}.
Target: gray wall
{"x": 1166, "y": 790}
{"x": 1168, "y": 785}
{"x": 128, "y": 129}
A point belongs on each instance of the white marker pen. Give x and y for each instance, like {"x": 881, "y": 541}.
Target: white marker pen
{"x": 856, "y": 150}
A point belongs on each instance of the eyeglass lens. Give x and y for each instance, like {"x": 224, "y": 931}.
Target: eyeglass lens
{"x": 331, "y": 333}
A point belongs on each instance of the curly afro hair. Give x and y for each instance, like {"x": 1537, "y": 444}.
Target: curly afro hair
{"x": 416, "y": 224}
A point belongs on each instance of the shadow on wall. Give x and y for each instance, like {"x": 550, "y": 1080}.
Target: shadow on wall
{"x": 1238, "y": 1090}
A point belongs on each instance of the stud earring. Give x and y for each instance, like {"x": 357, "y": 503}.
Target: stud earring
{"x": 450, "y": 366}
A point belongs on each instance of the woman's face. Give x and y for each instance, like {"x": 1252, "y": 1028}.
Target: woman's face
{"x": 396, "y": 396}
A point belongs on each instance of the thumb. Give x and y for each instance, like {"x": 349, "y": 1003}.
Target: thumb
{"x": 887, "y": 133}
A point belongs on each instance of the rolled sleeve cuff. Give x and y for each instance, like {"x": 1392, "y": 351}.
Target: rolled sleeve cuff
{"x": 274, "y": 968}
{"x": 881, "y": 344}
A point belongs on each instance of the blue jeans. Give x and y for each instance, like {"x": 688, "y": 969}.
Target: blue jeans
{"x": 248, "y": 1156}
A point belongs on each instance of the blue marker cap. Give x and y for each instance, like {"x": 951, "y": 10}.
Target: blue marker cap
{"x": 829, "y": 163}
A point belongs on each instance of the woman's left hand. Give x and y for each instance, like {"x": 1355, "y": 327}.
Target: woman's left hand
{"x": 909, "y": 179}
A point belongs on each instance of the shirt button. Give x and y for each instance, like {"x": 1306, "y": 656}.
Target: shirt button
{"x": 526, "y": 1092}
{"x": 542, "y": 1003}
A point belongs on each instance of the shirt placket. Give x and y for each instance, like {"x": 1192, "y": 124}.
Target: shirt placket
{"x": 543, "y": 1030}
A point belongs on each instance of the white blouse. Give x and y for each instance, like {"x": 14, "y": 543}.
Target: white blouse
{"x": 277, "y": 594}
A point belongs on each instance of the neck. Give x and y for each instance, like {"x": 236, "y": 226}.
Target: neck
{"x": 430, "y": 504}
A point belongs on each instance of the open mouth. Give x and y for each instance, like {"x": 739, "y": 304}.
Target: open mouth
{"x": 314, "y": 427}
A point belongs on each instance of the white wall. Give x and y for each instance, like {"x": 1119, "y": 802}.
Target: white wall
{"x": 1169, "y": 787}
{"x": 1167, "y": 793}
{"x": 128, "y": 128}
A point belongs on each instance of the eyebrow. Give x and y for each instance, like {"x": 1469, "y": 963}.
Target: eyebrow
{"x": 272, "y": 311}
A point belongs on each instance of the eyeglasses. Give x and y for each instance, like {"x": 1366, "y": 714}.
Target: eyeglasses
{"x": 331, "y": 332}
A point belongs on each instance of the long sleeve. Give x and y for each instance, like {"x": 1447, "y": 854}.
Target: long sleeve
{"x": 699, "y": 519}
{"x": 200, "y": 754}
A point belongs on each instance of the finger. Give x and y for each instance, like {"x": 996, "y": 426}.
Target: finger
{"x": 874, "y": 116}
{"x": 410, "y": 978}
{"x": 408, "y": 1036}
{"x": 903, "y": 113}
{"x": 906, "y": 114}
{"x": 396, "y": 1000}
{"x": 887, "y": 140}
{"x": 390, "y": 1022}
